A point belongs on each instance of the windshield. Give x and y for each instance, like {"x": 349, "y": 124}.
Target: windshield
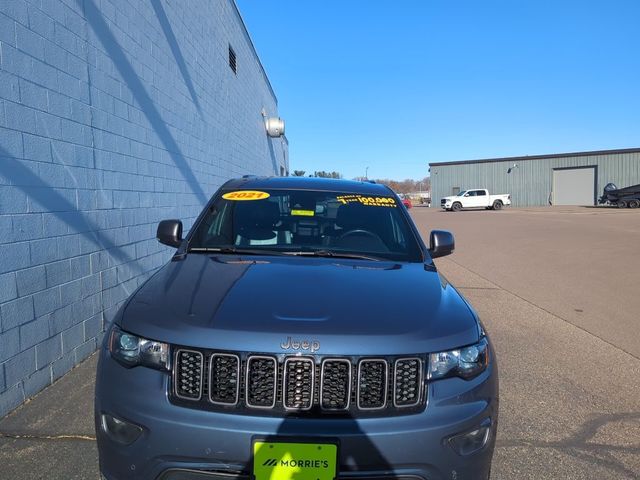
{"x": 307, "y": 222}
{"x": 461, "y": 194}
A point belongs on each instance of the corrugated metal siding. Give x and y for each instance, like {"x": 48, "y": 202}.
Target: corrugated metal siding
{"x": 530, "y": 184}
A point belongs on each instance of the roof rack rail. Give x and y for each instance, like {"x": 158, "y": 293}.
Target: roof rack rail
{"x": 371, "y": 181}
{"x": 249, "y": 176}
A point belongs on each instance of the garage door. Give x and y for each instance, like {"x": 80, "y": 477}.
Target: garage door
{"x": 574, "y": 186}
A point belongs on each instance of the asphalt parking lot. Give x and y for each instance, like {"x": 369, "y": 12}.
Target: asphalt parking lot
{"x": 556, "y": 289}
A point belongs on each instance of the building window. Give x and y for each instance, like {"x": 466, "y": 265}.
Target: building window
{"x": 281, "y": 171}
{"x": 232, "y": 60}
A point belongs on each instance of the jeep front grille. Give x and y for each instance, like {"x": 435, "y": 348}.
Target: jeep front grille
{"x": 247, "y": 383}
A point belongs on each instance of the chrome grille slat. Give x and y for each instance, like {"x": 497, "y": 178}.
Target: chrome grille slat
{"x": 298, "y": 383}
{"x": 188, "y": 382}
{"x": 372, "y": 384}
{"x": 224, "y": 379}
{"x": 407, "y": 382}
{"x": 335, "y": 384}
{"x": 261, "y": 386}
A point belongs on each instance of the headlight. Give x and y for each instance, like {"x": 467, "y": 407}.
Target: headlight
{"x": 466, "y": 362}
{"x": 131, "y": 350}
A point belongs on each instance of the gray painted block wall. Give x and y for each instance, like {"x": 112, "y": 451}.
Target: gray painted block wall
{"x": 113, "y": 116}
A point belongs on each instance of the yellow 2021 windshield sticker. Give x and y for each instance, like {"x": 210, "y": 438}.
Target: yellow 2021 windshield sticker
{"x": 246, "y": 195}
{"x": 368, "y": 201}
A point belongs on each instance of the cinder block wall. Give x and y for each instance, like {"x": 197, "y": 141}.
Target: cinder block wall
{"x": 113, "y": 116}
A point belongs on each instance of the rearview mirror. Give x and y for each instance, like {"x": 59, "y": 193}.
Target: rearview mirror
{"x": 441, "y": 243}
{"x": 170, "y": 233}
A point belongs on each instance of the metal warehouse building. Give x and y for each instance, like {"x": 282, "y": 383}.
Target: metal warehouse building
{"x": 538, "y": 180}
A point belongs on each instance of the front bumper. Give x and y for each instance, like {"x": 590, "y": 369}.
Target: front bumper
{"x": 177, "y": 439}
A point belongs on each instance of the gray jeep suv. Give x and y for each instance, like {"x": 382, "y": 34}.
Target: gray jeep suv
{"x": 300, "y": 331}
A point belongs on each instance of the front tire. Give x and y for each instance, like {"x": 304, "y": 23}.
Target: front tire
{"x": 456, "y": 207}
{"x": 497, "y": 205}
{"x": 622, "y": 204}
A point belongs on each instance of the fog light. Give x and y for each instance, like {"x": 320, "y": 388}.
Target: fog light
{"x": 470, "y": 442}
{"x": 120, "y": 431}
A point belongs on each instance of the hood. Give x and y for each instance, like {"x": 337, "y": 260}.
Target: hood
{"x": 282, "y": 304}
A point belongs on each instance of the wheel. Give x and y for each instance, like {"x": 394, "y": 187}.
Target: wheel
{"x": 622, "y": 204}
{"x": 456, "y": 207}
{"x": 634, "y": 203}
{"x": 497, "y": 205}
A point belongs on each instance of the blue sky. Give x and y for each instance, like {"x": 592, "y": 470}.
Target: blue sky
{"x": 396, "y": 85}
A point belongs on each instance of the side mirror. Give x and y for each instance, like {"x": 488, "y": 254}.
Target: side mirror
{"x": 170, "y": 233}
{"x": 441, "y": 243}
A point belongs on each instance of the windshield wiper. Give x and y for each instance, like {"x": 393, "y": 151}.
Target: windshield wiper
{"x": 256, "y": 251}
{"x": 332, "y": 254}
{"x": 235, "y": 251}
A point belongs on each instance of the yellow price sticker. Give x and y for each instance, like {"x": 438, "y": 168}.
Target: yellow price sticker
{"x": 303, "y": 213}
{"x": 246, "y": 195}
{"x": 368, "y": 201}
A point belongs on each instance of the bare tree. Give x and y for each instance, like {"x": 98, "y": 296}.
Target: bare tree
{"x": 408, "y": 185}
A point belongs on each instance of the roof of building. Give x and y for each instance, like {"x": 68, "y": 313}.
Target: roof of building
{"x": 308, "y": 183}
{"x": 539, "y": 157}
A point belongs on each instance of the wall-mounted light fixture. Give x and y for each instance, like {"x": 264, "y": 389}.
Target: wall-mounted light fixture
{"x": 513, "y": 167}
{"x": 275, "y": 126}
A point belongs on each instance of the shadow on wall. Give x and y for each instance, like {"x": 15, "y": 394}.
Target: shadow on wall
{"x": 175, "y": 49}
{"x": 36, "y": 189}
{"x": 128, "y": 74}
{"x": 272, "y": 154}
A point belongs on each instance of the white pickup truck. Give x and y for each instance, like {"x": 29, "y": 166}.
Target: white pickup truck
{"x": 476, "y": 198}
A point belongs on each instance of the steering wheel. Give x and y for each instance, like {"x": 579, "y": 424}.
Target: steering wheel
{"x": 360, "y": 232}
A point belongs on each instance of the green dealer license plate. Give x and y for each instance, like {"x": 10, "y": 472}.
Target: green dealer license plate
{"x": 294, "y": 461}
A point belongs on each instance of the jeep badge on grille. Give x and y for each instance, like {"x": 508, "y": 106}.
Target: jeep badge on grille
{"x": 293, "y": 344}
